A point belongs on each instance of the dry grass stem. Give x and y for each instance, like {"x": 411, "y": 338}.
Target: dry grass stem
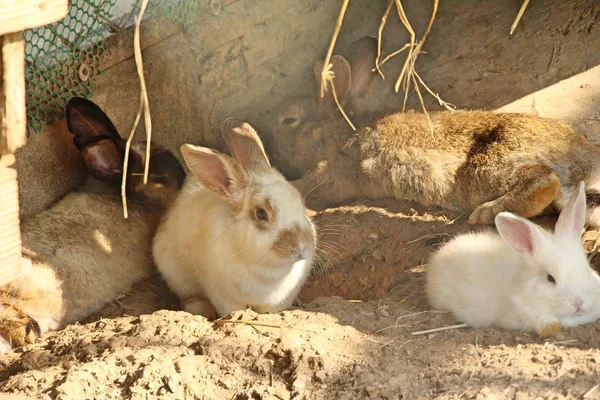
{"x": 403, "y": 78}
{"x": 379, "y": 33}
{"x": 326, "y": 73}
{"x": 398, "y": 319}
{"x": 340, "y": 106}
{"x": 444, "y": 328}
{"x": 430, "y": 236}
{"x": 390, "y": 56}
{"x": 519, "y": 15}
{"x": 144, "y": 107}
{"x": 241, "y": 321}
{"x": 408, "y": 76}
{"x": 445, "y": 104}
{"x": 327, "y": 76}
{"x": 589, "y": 393}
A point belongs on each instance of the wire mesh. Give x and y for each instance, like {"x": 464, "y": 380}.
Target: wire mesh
{"x": 62, "y": 59}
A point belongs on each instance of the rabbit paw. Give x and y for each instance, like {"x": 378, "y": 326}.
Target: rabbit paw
{"x": 549, "y": 330}
{"x": 485, "y": 213}
{"x": 199, "y": 306}
{"x": 17, "y": 328}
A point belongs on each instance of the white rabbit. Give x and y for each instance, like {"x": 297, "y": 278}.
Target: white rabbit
{"x": 526, "y": 278}
{"x": 238, "y": 235}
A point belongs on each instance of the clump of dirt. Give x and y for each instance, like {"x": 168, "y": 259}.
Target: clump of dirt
{"x": 332, "y": 348}
{"x": 356, "y": 343}
{"x": 175, "y": 355}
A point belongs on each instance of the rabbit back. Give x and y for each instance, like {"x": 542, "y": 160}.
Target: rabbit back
{"x": 472, "y": 276}
{"x": 92, "y": 249}
{"x": 469, "y": 158}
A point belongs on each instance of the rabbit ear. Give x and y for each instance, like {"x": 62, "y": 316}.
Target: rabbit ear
{"x": 97, "y": 140}
{"x": 342, "y": 81}
{"x": 571, "y": 220}
{"x": 164, "y": 165}
{"x": 217, "y": 172}
{"x": 104, "y": 160}
{"x": 361, "y": 56}
{"x": 89, "y": 123}
{"x": 245, "y": 145}
{"x": 520, "y": 234}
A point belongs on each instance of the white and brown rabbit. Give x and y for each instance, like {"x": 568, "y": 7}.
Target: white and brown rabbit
{"x": 525, "y": 278}
{"x": 238, "y": 235}
{"x": 81, "y": 253}
{"x": 477, "y": 162}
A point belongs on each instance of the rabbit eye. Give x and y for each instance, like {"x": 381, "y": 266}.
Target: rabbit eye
{"x": 551, "y": 279}
{"x": 261, "y": 214}
{"x": 289, "y": 120}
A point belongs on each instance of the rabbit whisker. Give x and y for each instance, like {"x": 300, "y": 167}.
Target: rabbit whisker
{"x": 314, "y": 188}
{"x": 239, "y": 252}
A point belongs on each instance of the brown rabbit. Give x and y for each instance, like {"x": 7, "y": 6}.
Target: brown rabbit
{"x": 477, "y": 162}
{"x": 81, "y": 253}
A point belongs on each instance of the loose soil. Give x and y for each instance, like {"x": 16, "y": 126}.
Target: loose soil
{"x": 351, "y": 334}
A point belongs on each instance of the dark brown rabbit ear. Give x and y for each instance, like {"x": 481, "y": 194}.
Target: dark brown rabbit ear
{"x": 361, "y": 56}
{"x": 97, "y": 140}
{"x": 104, "y": 160}
{"x": 89, "y": 123}
{"x": 165, "y": 166}
{"x": 342, "y": 81}
{"x": 245, "y": 145}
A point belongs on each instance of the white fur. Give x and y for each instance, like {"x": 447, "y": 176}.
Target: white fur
{"x": 488, "y": 279}
{"x": 208, "y": 247}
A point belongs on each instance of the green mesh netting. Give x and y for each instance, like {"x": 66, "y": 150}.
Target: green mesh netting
{"x": 63, "y": 58}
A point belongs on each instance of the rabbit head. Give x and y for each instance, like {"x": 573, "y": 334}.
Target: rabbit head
{"x": 269, "y": 214}
{"x": 557, "y": 276}
{"x": 305, "y": 127}
{"x": 103, "y": 152}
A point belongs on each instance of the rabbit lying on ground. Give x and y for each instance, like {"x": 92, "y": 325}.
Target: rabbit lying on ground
{"x": 477, "y": 162}
{"x": 81, "y": 253}
{"x": 238, "y": 235}
{"x": 524, "y": 278}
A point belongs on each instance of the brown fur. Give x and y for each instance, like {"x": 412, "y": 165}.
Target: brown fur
{"x": 81, "y": 253}
{"x": 472, "y": 161}
{"x": 268, "y": 207}
{"x": 287, "y": 241}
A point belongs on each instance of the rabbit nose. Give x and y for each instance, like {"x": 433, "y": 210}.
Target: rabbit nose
{"x": 578, "y": 303}
{"x": 304, "y": 251}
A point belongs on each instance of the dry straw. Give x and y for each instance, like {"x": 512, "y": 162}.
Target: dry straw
{"x": 408, "y": 75}
{"x": 144, "y": 108}
{"x": 519, "y": 15}
{"x": 327, "y": 76}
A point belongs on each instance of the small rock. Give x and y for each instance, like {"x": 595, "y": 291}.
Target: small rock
{"x": 373, "y": 236}
{"x": 320, "y": 376}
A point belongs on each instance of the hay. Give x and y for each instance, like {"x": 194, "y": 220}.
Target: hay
{"x": 327, "y": 76}
{"x": 408, "y": 76}
{"x": 144, "y": 107}
{"x": 519, "y": 15}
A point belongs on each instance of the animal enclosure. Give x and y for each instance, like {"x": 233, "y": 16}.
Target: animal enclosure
{"x": 362, "y": 327}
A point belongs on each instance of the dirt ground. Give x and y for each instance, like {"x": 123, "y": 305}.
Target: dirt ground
{"x": 351, "y": 338}
{"x": 352, "y": 333}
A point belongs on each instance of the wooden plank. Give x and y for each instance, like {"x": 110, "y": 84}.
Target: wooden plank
{"x": 13, "y": 118}
{"x": 10, "y": 234}
{"x": 18, "y": 15}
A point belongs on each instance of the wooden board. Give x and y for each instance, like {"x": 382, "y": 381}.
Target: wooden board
{"x": 18, "y": 15}
{"x": 13, "y": 118}
{"x": 10, "y": 235}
